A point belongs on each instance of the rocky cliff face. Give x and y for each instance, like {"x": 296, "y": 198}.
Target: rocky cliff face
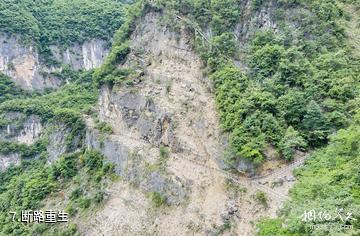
{"x": 170, "y": 106}
{"x": 12, "y": 159}
{"x": 23, "y": 129}
{"x": 164, "y": 108}
{"x": 254, "y": 20}
{"x": 165, "y": 140}
{"x": 57, "y": 134}
{"x": 27, "y": 129}
{"x": 88, "y": 55}
{"x": 22, "y": 62}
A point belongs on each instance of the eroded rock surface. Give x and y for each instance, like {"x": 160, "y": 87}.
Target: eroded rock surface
{"x": 58, "y": 134}
{"x": 22, "y": 129}
{"x": 22, "y": 63}
{"x": 88, "y": 55}
{"x": 8, "y": 160}
{"x": 170, "y": 105}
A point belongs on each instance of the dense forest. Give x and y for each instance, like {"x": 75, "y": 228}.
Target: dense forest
{"x": 299, "y": 90}
{"x": 60, "y": 22}
{"x": 46, "y": 23}
{"x": 328, "y": 183}
{"x": 301, "y": 85}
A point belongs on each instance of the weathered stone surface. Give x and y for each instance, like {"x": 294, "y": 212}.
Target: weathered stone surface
{"x": 141, "y": 113}
{"x": 245, "y": 166}
{"x": 57, "y": 138}
{"x": 256, "y": 20}
{"x": 131, "y": 165}
{"x": 22, "y": 62}
{"x": 31, "y": 130}
{"x": 88, "y": 55}
{"x": 114, "y": 151}
{"x": 10, "y": 159}
{"x": 23, "y": 129}
{"x": 172, "y": 190}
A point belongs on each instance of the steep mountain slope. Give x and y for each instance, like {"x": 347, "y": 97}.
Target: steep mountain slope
{"x": 170, "y": 106}
{"x": 23, "y": 63}
{"x": 328, "y": 183}
{"x": 40, "y": 38}
{"x": 328, "y": 186}
{"x": 191, "y": 123}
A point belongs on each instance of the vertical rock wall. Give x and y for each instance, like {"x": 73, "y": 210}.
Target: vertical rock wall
{"x": 22, "y": 62}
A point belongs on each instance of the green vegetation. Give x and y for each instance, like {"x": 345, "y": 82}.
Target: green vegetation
{"x": 26, "y": 187}
{"x": 65, "y": 105}
{"x": 104, "y": 128}
{"x": 25, "y": 151}
{"x": 80, "y": 176}
{"x": 261, "y": 198}
{"x": 297, "y": 90}
{"x": 301, "y": 87}
{"x": 157, "y": 199}
{"x": 108, "y": 73}
{"x": 164, "y": 152}
{"x": 60, "y": 22}
{"x": 16, "y": 122}
{"x": 290, "y": 142}
{"x": 273, "y": 227}
{"x": 329, "y": 181}
{"x": 8, "y": 89}
{"x": 161, "y": 163}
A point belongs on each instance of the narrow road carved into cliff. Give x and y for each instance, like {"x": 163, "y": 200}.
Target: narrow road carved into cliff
{"x": 255, "y": 181}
